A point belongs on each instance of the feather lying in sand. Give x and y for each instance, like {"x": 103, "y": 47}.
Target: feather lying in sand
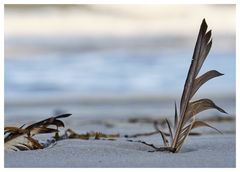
{"x": 21, "y": 138}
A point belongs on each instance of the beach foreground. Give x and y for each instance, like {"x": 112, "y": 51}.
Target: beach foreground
{"x": 207, "y": 150}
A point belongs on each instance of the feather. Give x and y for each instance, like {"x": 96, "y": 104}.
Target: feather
{"x": 189, "y": 109}
{"x": 198, "y": 106}
{"x": 176, "y": 116}
{"x": 185, "y": 121}
{"x": 170, "y": 130}
{"x": 198, "y": 82}
{"x": 20, "y": 138}
{"x": 204, "y": 124}
{"x": 47, "y": 122}
{"x": 164, "y": 137}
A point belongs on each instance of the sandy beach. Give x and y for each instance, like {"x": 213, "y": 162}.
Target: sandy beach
{"x": 210, "y": 149}
{"x": 199, "y": 151}
{"x": 204, "y": 151}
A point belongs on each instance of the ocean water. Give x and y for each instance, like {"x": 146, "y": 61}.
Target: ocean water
{"x": 82, "y": 50}
{"x": 115, "y": 72}
{"x": 102, "y": 78}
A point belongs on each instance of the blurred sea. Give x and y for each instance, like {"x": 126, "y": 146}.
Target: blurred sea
{"x": 110, "y": 82}
{"x": 111, "y": 59}
{"x": 111, "y": 71}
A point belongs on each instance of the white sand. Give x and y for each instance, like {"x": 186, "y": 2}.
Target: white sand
{"x": 207, "y": 150}
{"x": 199, "y": 151}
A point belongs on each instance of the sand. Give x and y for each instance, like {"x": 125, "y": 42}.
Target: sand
{"x": 207, "y": 150}
{"x": 204, "y": 151}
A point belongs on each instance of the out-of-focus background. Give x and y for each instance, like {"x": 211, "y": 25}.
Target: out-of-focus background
{"x": 112, "y": 60}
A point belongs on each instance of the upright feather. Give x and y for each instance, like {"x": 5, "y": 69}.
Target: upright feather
{"x": 188, "y": 109}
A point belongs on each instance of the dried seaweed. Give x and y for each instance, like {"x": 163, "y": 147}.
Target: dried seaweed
{"x": 95, "y": 135}
{"x": 155, "y": 132}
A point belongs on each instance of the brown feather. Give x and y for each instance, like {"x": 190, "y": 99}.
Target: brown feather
{"x": 198, "y": 106}
{"x": 204, "y": 124}
{"x": 198, "y": 82}
{"x": 189, "y": 109}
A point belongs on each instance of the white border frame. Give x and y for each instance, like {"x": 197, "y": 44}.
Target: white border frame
{"x": 118, "y": 2}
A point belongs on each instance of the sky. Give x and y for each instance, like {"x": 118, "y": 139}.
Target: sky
{"x": 27, "y": 26}
{"x": 116, "y": 19}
